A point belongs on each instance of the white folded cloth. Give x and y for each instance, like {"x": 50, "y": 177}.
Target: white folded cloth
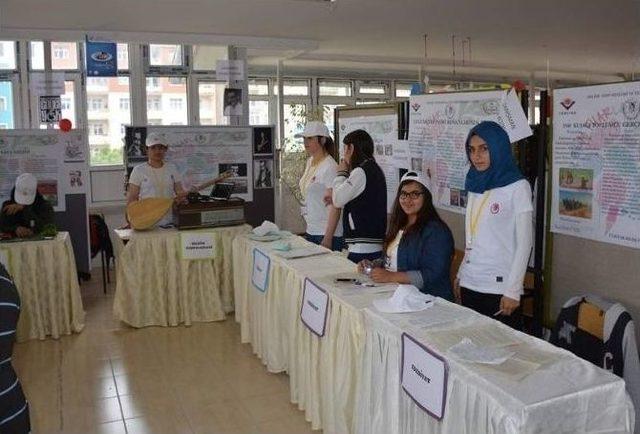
{"x": 265, "y": 228}
{"x": 407, "y": 298}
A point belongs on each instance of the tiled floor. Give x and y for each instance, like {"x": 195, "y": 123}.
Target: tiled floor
{"x": 178, "y": 380}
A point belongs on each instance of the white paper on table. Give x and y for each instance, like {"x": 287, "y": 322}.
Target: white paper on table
{"x": 303, "y": 252}
{"x": 485, "y": 335}
{"x": 468, "y": 351}
{"x": 355, "y": 290}
{"x": 440, "y": 314}
{"x": 534, "y": 355}
{"x": 513, "y": 369}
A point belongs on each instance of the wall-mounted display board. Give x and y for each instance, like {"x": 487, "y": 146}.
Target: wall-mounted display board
{"x": 596, "y": 163}
{"x": 59, "y": 160}
{"x": 204, "y": 152}
{"x": 438, "y": 127}
{"x": 382, "y": 124}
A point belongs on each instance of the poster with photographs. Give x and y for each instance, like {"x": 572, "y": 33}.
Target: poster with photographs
{"x": 263, "y": 173}
{"x": 238, "y": 176}
{"x": 438, "y": 129}
{"x": 42, "y": 153}
{"x": 596, "y": 170}
{"x": 202, "y": 153}
{"x": 262, "y": 141}
{"x": 232, "y": 102}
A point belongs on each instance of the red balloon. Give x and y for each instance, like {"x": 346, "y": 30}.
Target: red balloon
{"x": 519, "y": 85}
{"x": 65, "y": 125}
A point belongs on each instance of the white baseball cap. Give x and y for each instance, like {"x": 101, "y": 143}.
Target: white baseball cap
{"x": 26, "y": 187}
{"x": 314, "y": 129}
{"x": 418, "y": 177}
{"x": 155, "y": 139}
{"x": 407, "y": 298}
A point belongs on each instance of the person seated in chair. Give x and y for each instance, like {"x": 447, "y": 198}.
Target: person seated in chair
{"x": 27, "y": 212}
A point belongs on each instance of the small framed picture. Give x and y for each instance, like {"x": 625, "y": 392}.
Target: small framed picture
{"x": 263, "y": 173}
{"x": 263, "y": 141}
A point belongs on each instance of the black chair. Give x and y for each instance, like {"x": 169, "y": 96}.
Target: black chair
{"x": 101, "y": 243}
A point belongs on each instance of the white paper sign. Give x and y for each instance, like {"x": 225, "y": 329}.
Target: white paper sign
{"x": 197, "y": 245}
{"x": 315, "y": 307}
{"x": 230, "y": 70}
{"x": 513, "y": 118}
{"x": 260, "y": 275}
{"x": 424, "y": 376}
{"x": 50, "y": 83}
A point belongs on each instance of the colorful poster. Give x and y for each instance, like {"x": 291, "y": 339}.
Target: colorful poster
{"x": 383, "y": 129}
{"x": 391, "y": 155}
{"x": 380, "y": 128}
{"x": 596, "y": 163}
{"x": 438, "y": 127}
{"x": 201, "y": 154}
{"x": 102, "y": 59}
{"x": 42, "y": 153}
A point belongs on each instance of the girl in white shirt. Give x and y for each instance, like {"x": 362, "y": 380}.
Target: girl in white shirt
{"x": 359, "y": 188}
{"x": 321, "y": 218}
{"x": 156, "y": 178}
{"x": 498, "y": 227}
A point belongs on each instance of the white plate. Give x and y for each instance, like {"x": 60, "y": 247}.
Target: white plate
{"x": 268, "y": 237}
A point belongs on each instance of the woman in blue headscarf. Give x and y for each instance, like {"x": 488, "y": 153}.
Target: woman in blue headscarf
{"x": 498, "y": 227}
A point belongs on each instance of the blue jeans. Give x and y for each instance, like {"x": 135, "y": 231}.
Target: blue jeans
{"x": 357, "y": 257}
{"x": 336, "y": 245}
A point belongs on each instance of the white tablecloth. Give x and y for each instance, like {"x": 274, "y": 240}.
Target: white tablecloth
{"x": 349, "y": 380}
{"x": 154, "y": 286}
{"x": 45, "y": 275}
{"x": 323, "y": 371}
{"x": 564, "y": 394}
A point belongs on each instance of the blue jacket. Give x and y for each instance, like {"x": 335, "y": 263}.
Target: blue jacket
{"x": 426, "y": 257}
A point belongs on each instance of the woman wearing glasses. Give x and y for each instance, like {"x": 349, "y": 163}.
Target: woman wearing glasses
{"x": 419, "y": 245}
{"x": 156, "y": 178}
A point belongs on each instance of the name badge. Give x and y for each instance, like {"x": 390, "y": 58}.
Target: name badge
{"x": 315, "y": 307}
{"x": 424, "y": 377}
{"x": 260, "y": 275}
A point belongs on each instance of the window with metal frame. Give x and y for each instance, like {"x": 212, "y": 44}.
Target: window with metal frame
{"x": 8, "y": 55}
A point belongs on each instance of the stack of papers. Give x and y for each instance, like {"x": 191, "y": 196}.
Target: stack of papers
{"x": 302, "y": 252}
{"x": 468, "y": 351}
